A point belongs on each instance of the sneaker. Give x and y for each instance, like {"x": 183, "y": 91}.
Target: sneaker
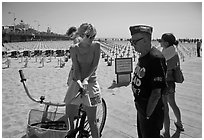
{"x": 179, "y": 126}
{"x": 165, "y": 135}
{"x": 161, "y": 136}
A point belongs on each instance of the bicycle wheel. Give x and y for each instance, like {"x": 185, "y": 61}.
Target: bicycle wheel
{"x": 101, "y": 118}
{"x": 101, "y": 115}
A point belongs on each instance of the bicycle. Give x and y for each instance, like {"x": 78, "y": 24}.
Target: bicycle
{"x": 82, "y": 129}
{"x": 46, "y": 124}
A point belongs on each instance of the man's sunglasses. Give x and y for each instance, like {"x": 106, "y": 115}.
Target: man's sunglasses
{"x": 134, "y": 42}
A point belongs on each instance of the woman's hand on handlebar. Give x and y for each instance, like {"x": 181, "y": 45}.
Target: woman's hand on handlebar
{"x": 80, "y": 83}
{"x": 85, "y": 84}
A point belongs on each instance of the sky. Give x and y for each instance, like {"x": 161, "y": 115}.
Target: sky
{"x": 111, "y": 19}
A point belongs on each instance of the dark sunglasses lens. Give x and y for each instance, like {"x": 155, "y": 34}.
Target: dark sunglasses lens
{"x": 93, "y": 37}
{"x": 87, "y": 36}
{"x": 90, "y": 37}
{"x": 134, "y": 42}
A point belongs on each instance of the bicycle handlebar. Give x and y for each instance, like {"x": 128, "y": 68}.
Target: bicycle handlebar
{"x": 23, "y": 79}
{"x": 22, "y": 75}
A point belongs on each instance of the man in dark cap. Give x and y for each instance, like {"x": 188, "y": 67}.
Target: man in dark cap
{"x": 148, "y": 82}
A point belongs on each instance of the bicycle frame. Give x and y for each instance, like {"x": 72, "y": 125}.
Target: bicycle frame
{"x": 81, "y": 113}
{"x": 42, "y": 98}
{"x": 81, "y": 121}
{"x": 79, "y": 127}
{"x": 41, "y": 101}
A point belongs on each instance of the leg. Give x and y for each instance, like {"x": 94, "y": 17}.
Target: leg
{"x": 91, "y": 114}
{"x": 139, "y": 133}
{"x": 166, "y": 117}
{"x": 138, "y": 127}
{"x": 145, "y": 126}
{"x": 65, "y": 119}
{"x": 71, "y": 112}
{"x": 172, "y": 102}
{"x": 176, "y": 110}
{"x": 198, "y": 52}
{"x": 154, "y": 124}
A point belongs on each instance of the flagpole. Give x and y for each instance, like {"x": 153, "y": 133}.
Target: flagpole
{"x": 14, "y": 19}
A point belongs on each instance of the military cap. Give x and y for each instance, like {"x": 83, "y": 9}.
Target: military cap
{"x": 140, "y": 28}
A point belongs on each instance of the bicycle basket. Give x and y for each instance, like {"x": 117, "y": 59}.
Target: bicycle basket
{"x": 50, "y": 129}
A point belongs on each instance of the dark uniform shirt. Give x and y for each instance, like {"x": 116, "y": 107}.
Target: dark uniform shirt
{"x": 149, "y": 74}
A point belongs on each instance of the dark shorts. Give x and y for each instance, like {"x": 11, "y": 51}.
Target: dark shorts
{"x": 170, "y": 89}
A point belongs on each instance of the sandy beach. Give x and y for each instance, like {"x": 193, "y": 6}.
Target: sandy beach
{"x": 50, "y": 81}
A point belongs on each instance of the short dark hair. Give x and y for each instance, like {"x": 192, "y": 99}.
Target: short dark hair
{"x": 71, "y": 30}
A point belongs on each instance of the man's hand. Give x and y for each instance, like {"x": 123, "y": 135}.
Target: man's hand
{"x": 153, "y": 100}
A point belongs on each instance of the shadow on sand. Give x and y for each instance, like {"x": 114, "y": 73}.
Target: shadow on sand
{"x": 117, "y": 85}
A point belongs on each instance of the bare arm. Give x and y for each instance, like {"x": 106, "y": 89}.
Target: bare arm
{"x": 153, "y": 100}
{"x": 75, "y": 63}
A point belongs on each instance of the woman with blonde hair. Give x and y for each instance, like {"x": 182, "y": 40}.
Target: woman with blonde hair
{"x": 85, "y": 57}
